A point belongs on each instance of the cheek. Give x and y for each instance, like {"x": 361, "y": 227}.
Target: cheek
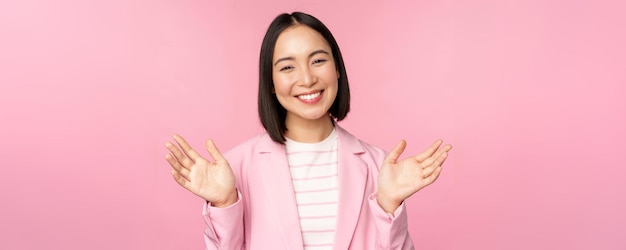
{"x": 281, "y": 86}
{"x": 330, "y": 72}
{"x": 331, "y": 77}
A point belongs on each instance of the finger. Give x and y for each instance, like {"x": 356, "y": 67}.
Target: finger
{"x": 180, "y": 157}
{"x": 183, "y": 172}
{"x": 193, "y": 155}
{"x": 177, "y": 167}
{"x": 427, "y": 171}
{"x": 434, "y": 162}
{"x": 395, "y": 153}
{"x": 180, "y": 180}
{"x": 173, "y": 162}
{"x": 441, "y": 159}
{"x": 214, "y": 152}
{"x": 443, "y": 149}
{"x": 430, "y": 160}
{"x": 433, "y": 176}
{"x": 429, "y": 152}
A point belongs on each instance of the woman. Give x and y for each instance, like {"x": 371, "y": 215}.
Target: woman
{"x": 306, "y": 183}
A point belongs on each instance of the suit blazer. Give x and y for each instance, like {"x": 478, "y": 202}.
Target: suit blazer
{"x": 266, "y": 215}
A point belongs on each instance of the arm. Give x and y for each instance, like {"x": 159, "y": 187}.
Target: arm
{"x": 224, "y": 227}
{"x": 391, "y": 229}
{"x": 215, "y": 183}
{"x": 397, "y": 181}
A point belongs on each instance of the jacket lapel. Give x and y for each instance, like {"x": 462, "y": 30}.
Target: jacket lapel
{"x": 352, "y": 177}
{"x": 276, "y": 179}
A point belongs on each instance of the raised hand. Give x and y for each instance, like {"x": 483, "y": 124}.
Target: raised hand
{"x": 212, "y": 181}
{"x": 398, "y": 180}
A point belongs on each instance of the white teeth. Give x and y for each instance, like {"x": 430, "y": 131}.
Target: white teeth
{"x": 310, "y": 97}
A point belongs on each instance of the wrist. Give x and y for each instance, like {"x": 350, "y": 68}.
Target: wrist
{"x": 229, "y": 200}
{"x": 387, "y": 204}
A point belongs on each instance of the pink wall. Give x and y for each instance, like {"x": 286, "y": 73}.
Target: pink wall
{"x": 532, "y": 94}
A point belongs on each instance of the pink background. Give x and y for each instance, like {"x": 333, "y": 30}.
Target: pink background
{"x": 532, "y": 94}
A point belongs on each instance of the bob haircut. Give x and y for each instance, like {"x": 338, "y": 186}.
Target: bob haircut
{"x": 271, "y": 112}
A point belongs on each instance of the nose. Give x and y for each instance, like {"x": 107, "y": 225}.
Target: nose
{"x": 308, "y": 78}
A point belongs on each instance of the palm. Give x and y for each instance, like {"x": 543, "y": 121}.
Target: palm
{"x": 398, "y": 180}
{"x": 403, "y": 178}
{"x": 208, "y": 179}
{"x": 213, "y": 181}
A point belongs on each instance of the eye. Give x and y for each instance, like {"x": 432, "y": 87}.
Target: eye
{"x": 319, "y": 61}
{"x": 285, "y": 68}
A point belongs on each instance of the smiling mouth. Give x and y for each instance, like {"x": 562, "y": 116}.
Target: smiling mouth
{"x": 309, "y": 97}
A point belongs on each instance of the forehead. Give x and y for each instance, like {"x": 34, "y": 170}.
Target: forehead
{"x": 299, "y": 39}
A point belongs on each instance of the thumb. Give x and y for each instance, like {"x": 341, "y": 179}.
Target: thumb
{"x": 395, "y": 153}
{"x": 214, "y": 152}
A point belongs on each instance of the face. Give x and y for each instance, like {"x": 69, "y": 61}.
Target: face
{"x": 304, "y": 74}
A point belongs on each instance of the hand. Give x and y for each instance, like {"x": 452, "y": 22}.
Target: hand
{"x": 213, "y": 181}
{"x": 397, "y": 181}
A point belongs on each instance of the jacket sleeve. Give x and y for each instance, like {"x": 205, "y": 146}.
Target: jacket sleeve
{"x": 392, "y": 231}
{"x": 224, "y": 226}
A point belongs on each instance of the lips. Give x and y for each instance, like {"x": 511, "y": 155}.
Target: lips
{"x": 311, "y": 97}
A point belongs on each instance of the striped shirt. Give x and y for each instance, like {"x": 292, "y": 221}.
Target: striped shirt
{"x": 313, "y": 169}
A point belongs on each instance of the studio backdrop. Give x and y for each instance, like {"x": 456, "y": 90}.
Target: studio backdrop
{"x": 531, "y": 94}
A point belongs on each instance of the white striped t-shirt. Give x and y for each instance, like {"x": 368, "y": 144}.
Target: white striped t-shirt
{"x": 313, "y": 169}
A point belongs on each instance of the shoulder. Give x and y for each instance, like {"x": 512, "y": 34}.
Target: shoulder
{"x": 247, "y": 148}
{"x": 375, "y": 151}
{"x": 359, "y": 146}
{"x": 378, "y": 155}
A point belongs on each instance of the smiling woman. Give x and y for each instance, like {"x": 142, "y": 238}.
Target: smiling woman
{"x": 530, "y": 93}
{"x": 317, "y": 40}
{"x": 305, "y": 81}
{"x": 306, "y": 183}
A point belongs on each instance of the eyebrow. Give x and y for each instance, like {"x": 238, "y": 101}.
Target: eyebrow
{"x": 320, "y": 51}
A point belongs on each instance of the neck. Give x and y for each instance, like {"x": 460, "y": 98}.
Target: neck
{"x": 308, "y": 131}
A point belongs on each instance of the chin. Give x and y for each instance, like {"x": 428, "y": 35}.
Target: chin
{"x": 317, "y": 117}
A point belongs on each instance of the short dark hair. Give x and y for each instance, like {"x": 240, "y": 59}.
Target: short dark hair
{"x": 271, "y": 113}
